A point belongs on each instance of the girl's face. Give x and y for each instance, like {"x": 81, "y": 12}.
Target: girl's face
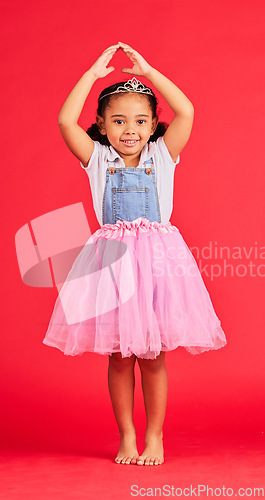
{"x": 128, "y": 118}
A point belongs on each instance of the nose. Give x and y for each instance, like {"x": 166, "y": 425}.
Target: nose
{"x": 129, "y": 127}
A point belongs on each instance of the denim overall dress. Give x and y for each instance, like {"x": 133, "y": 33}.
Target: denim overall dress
{"x": 120, "y": 303}
{"x": 130, "y": 192}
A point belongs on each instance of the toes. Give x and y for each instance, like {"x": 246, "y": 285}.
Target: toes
{"x": 125, "y": 460}
{"x": 148, "y": 461}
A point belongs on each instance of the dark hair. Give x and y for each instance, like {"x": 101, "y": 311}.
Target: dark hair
{"x": 93, "y": 130}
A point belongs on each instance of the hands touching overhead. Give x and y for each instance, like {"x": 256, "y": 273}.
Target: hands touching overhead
{"x": 140, "y": 65}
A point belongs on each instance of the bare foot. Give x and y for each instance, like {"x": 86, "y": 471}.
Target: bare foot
{"x": 153, "y": 453}
{"x": 128, "y": 452}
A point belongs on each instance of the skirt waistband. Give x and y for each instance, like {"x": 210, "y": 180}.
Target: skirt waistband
{"x": 140, "y": 225}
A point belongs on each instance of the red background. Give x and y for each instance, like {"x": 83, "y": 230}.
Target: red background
{"x": 214, "y": 52}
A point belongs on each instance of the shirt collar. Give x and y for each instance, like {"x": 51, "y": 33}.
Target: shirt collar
{"x": 146, "y": 153}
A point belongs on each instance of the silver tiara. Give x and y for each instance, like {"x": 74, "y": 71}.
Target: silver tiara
{"x": 132, "y": 85}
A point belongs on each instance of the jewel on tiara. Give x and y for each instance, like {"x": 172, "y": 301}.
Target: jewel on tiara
{"x": 132, "y": 85}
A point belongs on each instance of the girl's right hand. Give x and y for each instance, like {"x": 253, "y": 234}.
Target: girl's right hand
{"x": 99, "y": 67}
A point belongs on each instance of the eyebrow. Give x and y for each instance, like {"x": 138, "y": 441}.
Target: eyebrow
{"x": 124, "y": 116}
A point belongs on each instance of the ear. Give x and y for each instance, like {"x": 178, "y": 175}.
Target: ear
{"x": 154, "y": 124}
{"x": 100, "y": 124}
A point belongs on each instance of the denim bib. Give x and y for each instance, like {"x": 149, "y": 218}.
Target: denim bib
{"x": 130, "y": 192}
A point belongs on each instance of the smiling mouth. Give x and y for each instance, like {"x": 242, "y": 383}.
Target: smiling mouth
{"x": 130, "y": 142}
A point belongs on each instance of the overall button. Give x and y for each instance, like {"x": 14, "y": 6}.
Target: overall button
{"x": 112, "y": 170}
{"x": 148, "y": 171}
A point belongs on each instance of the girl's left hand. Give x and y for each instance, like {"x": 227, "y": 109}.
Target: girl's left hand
{"x": 140, "y": 65}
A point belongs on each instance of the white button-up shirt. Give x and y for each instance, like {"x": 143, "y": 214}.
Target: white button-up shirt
{"x": 106, "y": 156}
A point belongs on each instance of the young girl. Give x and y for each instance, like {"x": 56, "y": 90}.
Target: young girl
{"x": 134, "y": 291}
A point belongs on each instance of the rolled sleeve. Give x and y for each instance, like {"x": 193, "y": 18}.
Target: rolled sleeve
{"x": 93, "y": 162}
{"x": 165, "y": 155}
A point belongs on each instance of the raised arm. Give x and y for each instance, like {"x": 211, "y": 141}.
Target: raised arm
{"x": 179, "y": 130}
{"x": 77, "y": 140}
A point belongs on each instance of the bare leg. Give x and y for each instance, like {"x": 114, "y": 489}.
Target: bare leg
{"x": 155, "y": 390}
{"x": 121, "y": 383}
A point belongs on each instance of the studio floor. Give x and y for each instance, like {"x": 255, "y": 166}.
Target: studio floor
{"x": 216, "y": 464}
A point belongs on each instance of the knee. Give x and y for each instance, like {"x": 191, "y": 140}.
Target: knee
{"x": 152, "y": 365}
{"x": 117, "y": 362}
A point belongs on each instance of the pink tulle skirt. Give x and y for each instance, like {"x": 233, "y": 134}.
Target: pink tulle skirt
{"x": 135, "y": 288}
